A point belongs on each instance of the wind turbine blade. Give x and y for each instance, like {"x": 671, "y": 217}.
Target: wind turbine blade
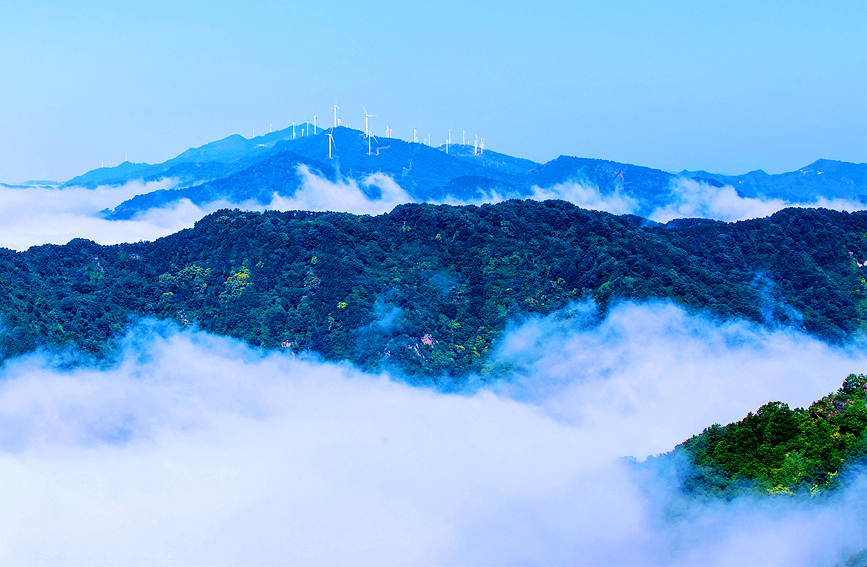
{"x": 365, "y": 110}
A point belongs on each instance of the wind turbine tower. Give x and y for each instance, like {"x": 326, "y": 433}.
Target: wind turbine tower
{"x": 366, "y": 126}
{"x": 415, "y": 135}
{"x": 370, "y": 135}
{"x": 293, "y": 129}
{"x": 464, "y": 138}
{"x": 331, "y": 141}
{"x": 314, "y": 124}
{"x": 335, "y": 116}
{"x": 476, "y": 146}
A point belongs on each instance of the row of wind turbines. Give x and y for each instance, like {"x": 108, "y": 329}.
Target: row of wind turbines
{"x": 478, "y": 145}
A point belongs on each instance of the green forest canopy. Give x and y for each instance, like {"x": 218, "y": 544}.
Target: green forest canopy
{"x": 783, "y": 451}
{"x": 429, "y": 289}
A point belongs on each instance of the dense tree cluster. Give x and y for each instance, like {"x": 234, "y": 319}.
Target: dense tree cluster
{"x": 428, "y": 289}
{"x": 778, "y": 450}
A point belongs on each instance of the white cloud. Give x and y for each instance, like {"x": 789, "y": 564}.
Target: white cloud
{"x": 688, "y": 199}
{"x": 33, "y": 216}
{"x": 36, "y": 215}
{"x": 196, "y": 449}
{"x": 319, "y": 194}
{"x": 588, "y": 197}
{"x": 696, "y": 199}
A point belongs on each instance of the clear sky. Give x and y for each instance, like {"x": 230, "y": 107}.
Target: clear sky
{"x": 723, "y": 86}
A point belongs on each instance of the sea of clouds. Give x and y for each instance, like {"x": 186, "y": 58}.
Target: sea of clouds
{"x": 198, "y": 449}
{"x": 39, "y": 215}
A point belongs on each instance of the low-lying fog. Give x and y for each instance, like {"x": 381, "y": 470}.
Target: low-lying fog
{"x": 198, "y": 449}
{"x": 35, "y": 215}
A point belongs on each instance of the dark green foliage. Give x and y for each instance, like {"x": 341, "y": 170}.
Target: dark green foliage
{"x": 428, "y": 289}
{"x": 778, "y": 450}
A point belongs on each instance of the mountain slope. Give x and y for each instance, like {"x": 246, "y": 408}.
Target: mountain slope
{"x": 429, "y": 289}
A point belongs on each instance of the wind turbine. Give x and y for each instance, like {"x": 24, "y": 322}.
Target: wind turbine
{"x": 314, "y": 124}
{"x": 331, "y": 141}
{"x": 293, "y": 129}
{"x": 482, "y": 147}
{"x": 335, "y": 115}
{"x": 369, "y": 136}
{"x": 366, "y": 128}
{"x": 476, "y": 146}
{"x": 464, "y": 138}
{"x": 414, "y": 135}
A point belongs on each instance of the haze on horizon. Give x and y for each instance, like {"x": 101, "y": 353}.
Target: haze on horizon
{"x": 727, "y": 88}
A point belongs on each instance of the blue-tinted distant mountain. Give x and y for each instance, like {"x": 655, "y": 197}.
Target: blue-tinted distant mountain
{"x": 110, "y": 175}
{"x": 826, "y": 178}
{"x": 425, "y": 173}
{"x": 421, "y": 170}
{"x": 236, "y": 169}
{"x": 497, "y": 161}
{"x": 258, "y": 184}
{"x": 650, "y": 187}
{"x": 196, "y": 165}
{"x": 33, "y": 183}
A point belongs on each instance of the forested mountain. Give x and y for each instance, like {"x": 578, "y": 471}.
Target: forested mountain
{"x": 426, "y": 289}
{"x": 781, "y": 451}
{"x": 224, "y": 170}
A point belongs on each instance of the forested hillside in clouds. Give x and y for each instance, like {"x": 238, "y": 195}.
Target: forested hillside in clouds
{"x": 429, "y": 289}
{"x": 782, "y": 451}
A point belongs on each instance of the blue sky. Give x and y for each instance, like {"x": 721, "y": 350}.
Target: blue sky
{"x": 723, "y": 86}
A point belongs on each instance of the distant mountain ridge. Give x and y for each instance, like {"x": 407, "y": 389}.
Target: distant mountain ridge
{"x": 195, "y": 164}
{"x": 237, "y": 169}
{"x": 838, "y": 179}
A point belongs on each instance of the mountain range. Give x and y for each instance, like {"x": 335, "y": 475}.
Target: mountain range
{"x": 236, "y": 170}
